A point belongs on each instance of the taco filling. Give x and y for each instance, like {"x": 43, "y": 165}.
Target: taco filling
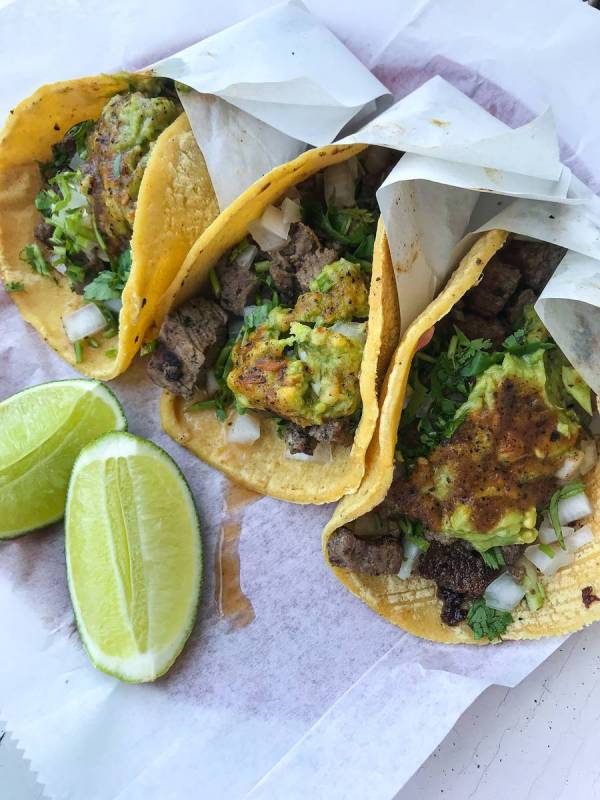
{"x": 281, "y": 332}
{"x": 492, "y": 446}
{"x": 88, "y": 204}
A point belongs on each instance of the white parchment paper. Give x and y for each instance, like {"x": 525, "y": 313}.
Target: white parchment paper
{"x": 318, "y": 697}
{"x": 265, "y": 88}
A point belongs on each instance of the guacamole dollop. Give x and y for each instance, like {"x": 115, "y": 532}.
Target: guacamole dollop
{"x": 304, "y": 363}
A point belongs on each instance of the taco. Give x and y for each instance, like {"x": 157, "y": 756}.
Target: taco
{"x": 285, "y": 317}
{"x": 478, "y": 515}
{"x": 103, "y": 190}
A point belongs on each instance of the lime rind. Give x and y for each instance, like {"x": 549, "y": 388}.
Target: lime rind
{"x": 147, "y": 665}
{"x": 46, "y": 450}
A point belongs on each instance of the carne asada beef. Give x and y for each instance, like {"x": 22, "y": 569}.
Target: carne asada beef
{"x": 456, "y": 566}
{"x": 302, "y": 255}
{"x": 453, "y": 611}
{"x": 282, "y": 275}
{"x": 376, "y": 556}
{"x": 498, "y": 283}
{"x": 43, "y": 232}
{"x": 189, "y": 342}
{"x": 476, "y": 327}
{"x": 239, "y": 286}
{"x": 334, "y": 431}
{"x": 515, "y": 310}
{"x": 536, "y": 260}
{"x": 298, "y": 440}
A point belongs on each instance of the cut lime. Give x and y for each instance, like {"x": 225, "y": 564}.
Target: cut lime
{"x": 42, "y": 430}
{"x": 134, "y": 556}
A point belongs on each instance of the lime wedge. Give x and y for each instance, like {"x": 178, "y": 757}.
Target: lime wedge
{"x": 134, "y": 556}
{"x": 42, "y": 429}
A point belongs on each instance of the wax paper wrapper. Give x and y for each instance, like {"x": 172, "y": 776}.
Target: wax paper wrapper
{"x": 265, "y": 88}
{"x": 317, "y": 697}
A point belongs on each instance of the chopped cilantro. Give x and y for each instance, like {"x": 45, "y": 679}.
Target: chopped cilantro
{"x": 112, "y": 353}
{"x": 281, "y": 425}
{"x": 109, "y": 284}
{"x": 494, "y": 558}
{"x": 239, "y": 249}
{"x": 14, "y": 286}
{"x": 486, "y": 621}
{"x": 148, "y": 347}
{"x": 568, "y": 490}
{"x": 62, "y": 152}
{"x": 32, "y": 255}
{"x": 78, "y": 348}
{"x": 92, "y": 342}
{"x": 261, "y": 267}
{"x": 413, "y": 532}
{"x": 214, "y": 282}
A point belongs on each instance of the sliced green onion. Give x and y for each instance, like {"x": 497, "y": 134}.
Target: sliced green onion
{"x": 78, "y": 348}
{"x": 214, "y": 282}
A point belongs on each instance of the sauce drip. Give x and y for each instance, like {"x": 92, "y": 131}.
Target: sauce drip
{"x": 234, "y": 606}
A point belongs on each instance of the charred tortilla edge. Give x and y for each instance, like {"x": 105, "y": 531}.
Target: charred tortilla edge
{"x": 176, "y": 203}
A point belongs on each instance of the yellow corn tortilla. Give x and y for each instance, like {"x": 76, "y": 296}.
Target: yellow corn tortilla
{"x": 412, "y": 604}
{"x": 176, "y": 203}
{"x": 263, "y": 467}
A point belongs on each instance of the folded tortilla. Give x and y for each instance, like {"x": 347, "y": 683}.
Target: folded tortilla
{"x": 176, "y": 202}
{"x": 263, "y": 466}
{"x": 412, "y": 604}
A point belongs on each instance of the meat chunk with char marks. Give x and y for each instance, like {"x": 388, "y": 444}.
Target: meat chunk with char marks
{"x": 189, "y": 342}
{"x": 302, "y": 256}
{"x": 377, "y": 556}
{"x": 498, "y": 283}
{"x": 239, "y": 286}
{"x": 536, "y": 260}
{"x": 457, "y": 567}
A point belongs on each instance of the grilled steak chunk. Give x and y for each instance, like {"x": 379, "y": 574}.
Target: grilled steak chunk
{"x": 452, "y": 606}
{"x": 302, "y": 255}
{"x": 189, "y": 342}
{"x": 490, "y": 296}
{"x": 456, "y": 566}
{"x": 514, "y": 312}
{"x": 536, "y": 260}
{"x": 477, "y": 327}
{"x": 298, "y": 440}
{"x": 377, "y": 556}
{"x": 335, "y": 431}
{"x": 239, "y": 286}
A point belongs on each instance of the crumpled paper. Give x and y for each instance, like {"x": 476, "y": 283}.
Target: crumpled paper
{"x": 318, "y": 697}
{"x": 263, "y": 89}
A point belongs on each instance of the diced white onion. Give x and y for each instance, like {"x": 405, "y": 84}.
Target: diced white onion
{"x": 504, "y": 593}
{"x": 339, "y": 185}
{"x": 302, "y": 355}
{"x": 368, "y": 525}
{"x": 60, "y": 268}
{"x": 212, "y": 384}
{"x": 321, "y": 454}
{"x": 573, "y": 508}
{"x": 316, "y": 387}
{"x": 410, "y": 553}
{"x": 243, "y": 428}
{"x": 77, "y": 200}
{"x": 249, "y": 310}
{"x": 75, "y": 162}
{"x": 545, "y": 564}
{"x": 590, "y": 456}
{"x": 86, "y": 321}
{"x": 291, "y": 211}
{"x": 246, "y": 258}
{"x": 570, "y": 466}
{"x": 270, "y": 231}
{"x": 351, "y": 330}
{"x": 579, "y": 538}
{"x": 547, "y": 534}
{"x": 116, "y": 304}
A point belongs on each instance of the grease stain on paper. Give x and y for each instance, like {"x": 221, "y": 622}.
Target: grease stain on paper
{"x": 233, "y": 605}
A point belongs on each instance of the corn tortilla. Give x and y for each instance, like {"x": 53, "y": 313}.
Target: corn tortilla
{"x": 412, "y": 604}
{"x": 176, "y": 202}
